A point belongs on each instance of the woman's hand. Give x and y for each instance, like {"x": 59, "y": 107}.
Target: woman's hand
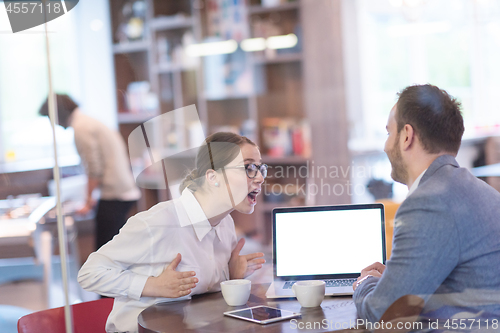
{"x": 242, "y": 266}
{"x": 170, "y": 283}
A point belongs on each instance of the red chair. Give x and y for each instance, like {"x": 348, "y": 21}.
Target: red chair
{"x": 87, "y": 317}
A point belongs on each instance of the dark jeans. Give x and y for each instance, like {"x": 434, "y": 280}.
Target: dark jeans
{"x": 110, "y": 217}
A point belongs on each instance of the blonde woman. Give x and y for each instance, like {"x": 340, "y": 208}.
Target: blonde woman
{"x": 184, "y": 246}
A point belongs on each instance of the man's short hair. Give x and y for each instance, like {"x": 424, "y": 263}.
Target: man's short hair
{"x": 434, "y": 115}
{"x": 65, "y": 106}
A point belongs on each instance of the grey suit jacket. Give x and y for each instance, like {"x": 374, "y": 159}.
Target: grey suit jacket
{"x": 446, "y": 246}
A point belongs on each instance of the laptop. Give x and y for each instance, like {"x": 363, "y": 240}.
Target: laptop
{"x": 330, "y": 243}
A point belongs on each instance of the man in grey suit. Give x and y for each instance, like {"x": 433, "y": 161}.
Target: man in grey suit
{"x": 446, "y": 246}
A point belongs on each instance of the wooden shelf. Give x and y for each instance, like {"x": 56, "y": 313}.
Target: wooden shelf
{"x": 131, "y": 47}
{"x": 279, "y": 8}
{"x": 284, "y": 160}
{"x": 171, "y": 23}
{"x": 132, "y": 118}
{"x": 280, "y": 58}
{"x": 165, "y": 68}
{"x": 226, "y": 96}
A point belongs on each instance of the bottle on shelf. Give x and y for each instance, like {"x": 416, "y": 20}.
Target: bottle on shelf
{"x": 140, "y": 98}
{"x": 132, "y": 23}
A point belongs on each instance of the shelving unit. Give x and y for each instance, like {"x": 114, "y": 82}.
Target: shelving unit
{"x": 275, "y": 90}
{"x": 131, "y": 47}
{"x": 294, "y": 57}
{"x": 259, "y": 9}
{"x": 164, "y": 23}
{"x": 165, "y": 68}
{"x": 287, "y": 160}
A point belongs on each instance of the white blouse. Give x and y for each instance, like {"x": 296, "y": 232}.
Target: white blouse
{"x": 148, "y": 243}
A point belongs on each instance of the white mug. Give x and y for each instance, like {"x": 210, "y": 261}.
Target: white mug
{"x": 236, "y": 292}
{"x": 310, "y": 294}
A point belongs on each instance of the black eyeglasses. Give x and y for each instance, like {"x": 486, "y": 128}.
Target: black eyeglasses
{"x": 252, "y": 169}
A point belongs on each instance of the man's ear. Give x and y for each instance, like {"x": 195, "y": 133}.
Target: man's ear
{"x": 407, "y": 136}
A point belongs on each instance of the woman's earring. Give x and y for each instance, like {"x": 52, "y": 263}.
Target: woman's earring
{"x": 216, "y": 184}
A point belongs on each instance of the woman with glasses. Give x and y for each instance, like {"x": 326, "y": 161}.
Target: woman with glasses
{"x": 184, "y": 246}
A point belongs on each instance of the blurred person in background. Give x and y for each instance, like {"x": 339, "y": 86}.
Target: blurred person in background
{"x": 104, "y": 155}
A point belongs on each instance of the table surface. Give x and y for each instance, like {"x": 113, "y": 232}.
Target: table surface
{"x": 204, "y": 313}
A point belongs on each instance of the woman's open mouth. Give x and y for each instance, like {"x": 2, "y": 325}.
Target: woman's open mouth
{"x": 252, "y": 196}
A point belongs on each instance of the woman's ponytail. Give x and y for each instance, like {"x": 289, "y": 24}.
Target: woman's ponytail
{"x": 190, "y": 181}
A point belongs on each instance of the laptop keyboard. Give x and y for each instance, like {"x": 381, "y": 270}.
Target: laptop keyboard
{"x": 329, "y": 283}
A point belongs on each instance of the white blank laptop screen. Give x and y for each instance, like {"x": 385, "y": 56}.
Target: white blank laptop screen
{"x": 327, "y": 242}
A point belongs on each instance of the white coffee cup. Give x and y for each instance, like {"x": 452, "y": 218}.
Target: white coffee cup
{"x": 236, "y": 292}
{"x": 310, "y": 294}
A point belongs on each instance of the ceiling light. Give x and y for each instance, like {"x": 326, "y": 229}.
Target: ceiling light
{"x": 253, "y": 44}
{"x": 282, "y": 42}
